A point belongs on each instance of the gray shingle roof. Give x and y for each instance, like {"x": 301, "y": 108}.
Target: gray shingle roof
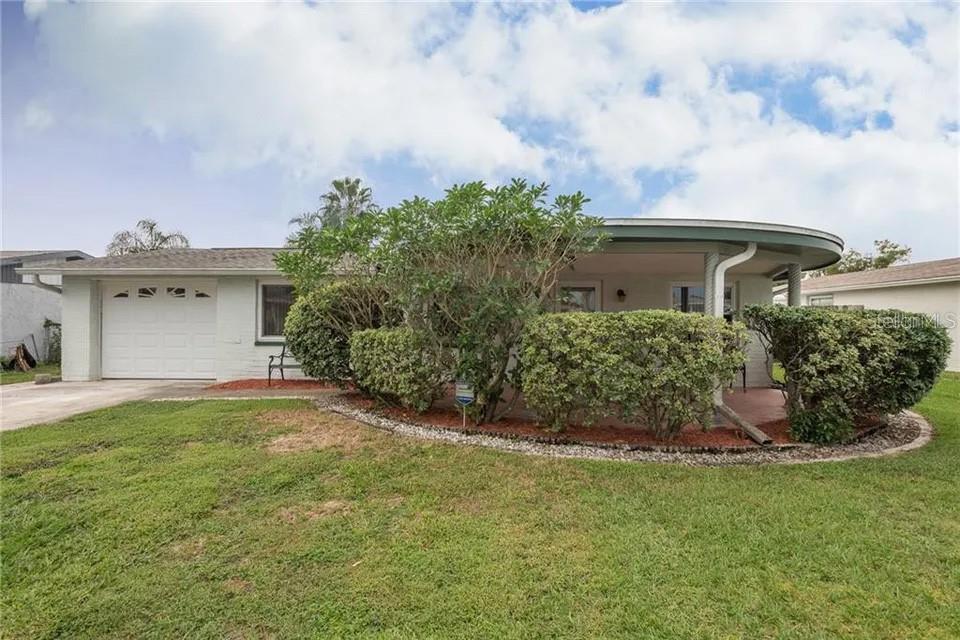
{"x": 23, "y": 255}
{"x": 935, "y": 269}
{"x": 181, "y": 260}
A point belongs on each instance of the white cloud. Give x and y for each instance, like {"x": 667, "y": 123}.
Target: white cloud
{"x": 37, "y": 117}
{"x": 33, "y": 8}
{"x": 323, "y": 89}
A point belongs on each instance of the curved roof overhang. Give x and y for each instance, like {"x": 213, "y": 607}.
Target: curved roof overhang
{"x": 811, "y": 248}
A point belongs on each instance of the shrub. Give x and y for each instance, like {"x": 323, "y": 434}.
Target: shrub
{"x": 319, "y": 325}
{"x": 659, "y": 368}
{"x": 820, "y": 426}
{"x": 921, "y": 349}
{"x": 835, "y": 364}
{"x": 470, "y": 268}
{"x": 399, "y": 366}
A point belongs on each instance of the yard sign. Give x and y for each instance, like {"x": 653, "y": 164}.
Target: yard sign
{"x": 464, "y": 393}
{"x": 464, "y": 397}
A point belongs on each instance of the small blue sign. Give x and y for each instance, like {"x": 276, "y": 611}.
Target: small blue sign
{"x": 464, "y": 393}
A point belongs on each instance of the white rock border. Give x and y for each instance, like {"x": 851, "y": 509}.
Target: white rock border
{"x": 886, "y": 442}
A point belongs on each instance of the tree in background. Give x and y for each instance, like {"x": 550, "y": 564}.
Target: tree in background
{"x": 347, "y": 198}
{"x": 467, "y": 271}
{"x": 886, "y": 253}
{"x": 146, "y": 236}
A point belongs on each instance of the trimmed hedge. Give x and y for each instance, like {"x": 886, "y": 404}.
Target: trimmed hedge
{"x": 844, "y": 365}
{"x": 319, "y": 325}
{"x": 399, "y": 366}
{"x": 658, "y": 368}
{"x": 921, "y": 349}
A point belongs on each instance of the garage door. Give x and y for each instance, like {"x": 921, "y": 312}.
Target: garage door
{"x": 159, "y": 330}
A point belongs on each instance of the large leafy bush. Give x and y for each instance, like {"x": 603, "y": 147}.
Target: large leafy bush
{"x": 320, "y": 322}
{"x": 658, "y": 368}
{"x": 468, "y": 270}
{"x": 921, "y": 349}
{"x": 399, "y": 366}
{"x": 843, "y": 365}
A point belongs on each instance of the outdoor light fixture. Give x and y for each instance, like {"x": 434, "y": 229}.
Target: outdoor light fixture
{"x": 621, "y": 295}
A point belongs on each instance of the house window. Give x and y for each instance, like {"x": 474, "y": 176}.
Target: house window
{"x": 9, "y": 273}
{"x": 690, "y": 299}
{"x": 275, "y": 301}
{"x": 146, "y": 292}
{"x": 823, "y": 300}
{"x": 122, "y": 294}
{"x": 577, "y": 299}
{"x": 176, "y": 292}
{"x": 200, "y": 293}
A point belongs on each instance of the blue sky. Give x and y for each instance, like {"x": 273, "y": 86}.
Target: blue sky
{"x": 226, "y": 121}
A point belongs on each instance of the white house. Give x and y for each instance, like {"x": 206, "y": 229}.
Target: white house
{"x": 931, "y": 287}
{"x": 219, "y": 313}
{"x": 26, "y": 301}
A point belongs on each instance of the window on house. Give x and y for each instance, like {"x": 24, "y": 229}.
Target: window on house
{"x": 200, "y": 293}
{"x": 823, "y": 300}
{"x": 122, "y": 294}
{"x": 176, "y": 292}
{"x": 146, "y": 292}
{"x": 9, "y": 273}
{"x": 275, "y": 301}
{"x": 577, "y": 299}
{"x": 690, "y": 299}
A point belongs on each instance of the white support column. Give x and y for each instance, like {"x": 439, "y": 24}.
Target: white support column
{"x": 793, "y": 285}
{"x": 710, "y": 262}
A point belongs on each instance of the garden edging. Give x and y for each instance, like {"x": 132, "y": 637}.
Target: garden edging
{"x": 906, "y": 431}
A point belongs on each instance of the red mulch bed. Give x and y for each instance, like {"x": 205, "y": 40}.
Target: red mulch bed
{"x": 259, "y": 383}
{"x": 692, "y": 436}
{"x": 779, "y": 430}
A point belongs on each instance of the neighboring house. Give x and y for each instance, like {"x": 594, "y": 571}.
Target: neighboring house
{"x": 931, "y": 287}
{"x": 219, "y": 313}
{"x": 27, "y": 301}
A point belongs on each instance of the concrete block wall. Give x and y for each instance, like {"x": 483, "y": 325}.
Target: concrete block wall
{"x": 25, "y": 307}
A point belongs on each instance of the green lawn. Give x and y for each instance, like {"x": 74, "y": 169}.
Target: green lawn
{"x": 12, "y": 377}
{"x": 177, "y": 519}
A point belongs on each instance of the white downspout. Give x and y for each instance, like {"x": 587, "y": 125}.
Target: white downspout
{"x": 719, "y": 275}
{"x": 40, "y": 284}
{"x": 718, "y": 286}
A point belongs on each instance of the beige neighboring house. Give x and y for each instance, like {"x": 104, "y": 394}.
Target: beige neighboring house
{"x": 931, "y": 287}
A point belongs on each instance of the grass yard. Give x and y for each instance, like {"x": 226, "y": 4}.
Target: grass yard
{"x": 13, "y": 377}
{"x": 246, "y": 519}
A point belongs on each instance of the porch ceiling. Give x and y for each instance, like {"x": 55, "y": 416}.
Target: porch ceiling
{"x": 649, "y": 263}
{"x": 661, "y": 245}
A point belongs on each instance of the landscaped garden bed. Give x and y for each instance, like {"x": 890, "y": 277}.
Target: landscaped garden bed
{"x": 464, "y": 288}
{"x": 260, "y": 383}
{"x": 719, "y": 446}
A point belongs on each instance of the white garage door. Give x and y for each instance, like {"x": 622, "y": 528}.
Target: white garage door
{"x": 159, "y": 330}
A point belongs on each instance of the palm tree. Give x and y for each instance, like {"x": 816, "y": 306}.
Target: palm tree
{"x": 347, "y": 198}
{"x": 145, "y": 237}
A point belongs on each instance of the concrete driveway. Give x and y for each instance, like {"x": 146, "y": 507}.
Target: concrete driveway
{"x": 27, "y": 403}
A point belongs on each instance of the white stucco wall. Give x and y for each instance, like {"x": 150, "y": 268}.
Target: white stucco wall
{"x": 24, "y": 309}
{"x": 239, "y": 355}
{"x": 940, "y": 301}
{"x": 81, "y": 329}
